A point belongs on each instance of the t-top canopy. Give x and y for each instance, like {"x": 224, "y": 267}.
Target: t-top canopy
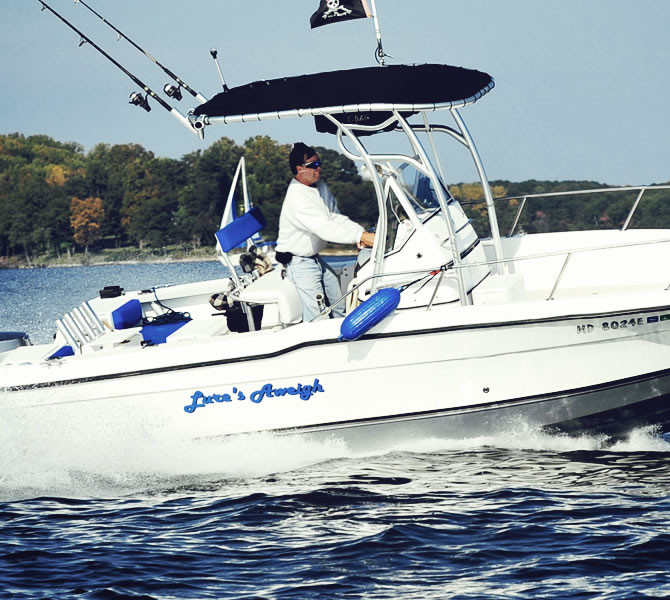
{"x": 396, "y": 87}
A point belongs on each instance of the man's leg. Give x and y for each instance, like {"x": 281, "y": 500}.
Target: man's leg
{"x": 305, "y": 273}
{"x": 331, "y": 285}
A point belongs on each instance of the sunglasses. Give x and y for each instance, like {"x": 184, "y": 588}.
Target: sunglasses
{"x": 312, "y": 165}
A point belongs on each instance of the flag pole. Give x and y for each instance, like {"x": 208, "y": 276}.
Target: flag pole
{"x": 380, "y": 50}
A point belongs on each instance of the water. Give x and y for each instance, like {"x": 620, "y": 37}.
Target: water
{"x": 32, "y": 299}
{"x": 89, "y": 514}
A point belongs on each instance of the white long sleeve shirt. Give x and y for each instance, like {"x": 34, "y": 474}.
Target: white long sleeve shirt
{"x": 310, "y": 219}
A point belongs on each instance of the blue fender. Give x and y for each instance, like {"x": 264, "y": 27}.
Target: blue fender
{"x": 369, "y": 313}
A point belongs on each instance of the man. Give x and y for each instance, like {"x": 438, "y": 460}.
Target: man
{"x": 309, "y": 220}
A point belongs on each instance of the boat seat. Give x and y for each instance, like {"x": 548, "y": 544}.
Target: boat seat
{"x": 272, "y": 289}
{"x": 158, "y": 334}
{"x": 129, "y": 316}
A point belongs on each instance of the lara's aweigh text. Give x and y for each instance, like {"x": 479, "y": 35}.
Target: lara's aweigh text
{"x": 199, "y": 399}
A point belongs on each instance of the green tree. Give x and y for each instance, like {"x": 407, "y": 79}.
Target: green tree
{"x": 148, "y": 210}
{"x": 35, "y": 177}
{"x": 201, "y": 200}
{"x": 115, "y": 174}
{"x": 268, "y": 176}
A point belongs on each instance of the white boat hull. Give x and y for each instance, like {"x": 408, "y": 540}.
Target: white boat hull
{"x": 451, "y": 372}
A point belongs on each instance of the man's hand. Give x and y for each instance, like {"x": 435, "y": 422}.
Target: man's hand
{"x": 367, "y": 240}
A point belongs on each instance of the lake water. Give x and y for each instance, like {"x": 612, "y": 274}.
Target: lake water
{"x": 520, "y": 515}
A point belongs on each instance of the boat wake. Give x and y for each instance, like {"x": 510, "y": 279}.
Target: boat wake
{"x": 519, "y": 435}
{"x": 57, "y": 460}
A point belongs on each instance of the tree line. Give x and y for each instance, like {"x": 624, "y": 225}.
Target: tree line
{"x": 55, "y": 198}
{"x": 577, "y": 212}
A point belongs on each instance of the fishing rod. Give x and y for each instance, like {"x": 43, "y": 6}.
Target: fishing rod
{"x": 135, "y": 98}
{"x": 170, "y": 90}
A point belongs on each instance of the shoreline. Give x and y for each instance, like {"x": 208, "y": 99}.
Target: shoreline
{"x": 93, "y": 262}
{"x": 97, "y": 260}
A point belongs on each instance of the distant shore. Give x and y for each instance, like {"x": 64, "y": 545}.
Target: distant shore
{"x": 128, "y": 256}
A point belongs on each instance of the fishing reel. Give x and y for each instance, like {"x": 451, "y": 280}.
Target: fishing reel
{"x": 138, "y": 100}
{"x": 172, "y": 91}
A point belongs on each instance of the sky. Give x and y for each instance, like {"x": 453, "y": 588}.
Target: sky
{"x": 582, "y": 87}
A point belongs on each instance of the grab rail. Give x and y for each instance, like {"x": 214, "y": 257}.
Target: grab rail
{"x": 445, "y": 268}
{"x": 642, "y": 189}
{"x": 560, "y": 276}
{"x": 569, "y": 254}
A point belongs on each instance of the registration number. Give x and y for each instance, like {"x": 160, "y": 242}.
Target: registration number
{"x": 621, "y": 324}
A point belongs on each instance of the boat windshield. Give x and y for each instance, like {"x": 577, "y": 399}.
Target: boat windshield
{"x": 419, "y": 189}
{"x": 420, "y": 197}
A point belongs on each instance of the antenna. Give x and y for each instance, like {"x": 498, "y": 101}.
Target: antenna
{"x": 380, "y": 55}
{"x": 214, "y": 54}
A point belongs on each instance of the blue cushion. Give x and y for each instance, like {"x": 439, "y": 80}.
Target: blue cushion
{"x": 127, "y": 315}
{"x": 241, "y": 229}
{"x": 62, "y": 352}
{"x": 157, "y": 334}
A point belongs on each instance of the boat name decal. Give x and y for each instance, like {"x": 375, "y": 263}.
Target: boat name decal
{"x": 305, "y": 392}
{"x": 622, "y": 324}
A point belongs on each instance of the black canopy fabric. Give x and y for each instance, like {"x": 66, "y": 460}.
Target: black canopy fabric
{"x": 402, "y": 86}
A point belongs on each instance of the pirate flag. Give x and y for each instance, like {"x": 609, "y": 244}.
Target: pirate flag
{"x": 334, "y": 11}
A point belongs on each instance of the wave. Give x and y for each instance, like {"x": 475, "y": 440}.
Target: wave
{"x": 99, "y": 461}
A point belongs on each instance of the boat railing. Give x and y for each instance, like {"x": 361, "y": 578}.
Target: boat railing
{"x": 446, "y": 268}
{"x": 525, "y": 197}
{"x": 568, "y": 255}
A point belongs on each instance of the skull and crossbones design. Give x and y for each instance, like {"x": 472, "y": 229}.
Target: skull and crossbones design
{"x": 335, "y": 10}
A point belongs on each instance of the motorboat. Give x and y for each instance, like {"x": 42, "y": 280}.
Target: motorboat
{"x": 447, "y": 334}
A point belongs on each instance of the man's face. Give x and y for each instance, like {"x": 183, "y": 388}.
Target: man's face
{"x": 306, "y": 173}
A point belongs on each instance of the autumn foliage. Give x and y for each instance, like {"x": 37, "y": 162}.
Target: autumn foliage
{"x": 86, "y": 220}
